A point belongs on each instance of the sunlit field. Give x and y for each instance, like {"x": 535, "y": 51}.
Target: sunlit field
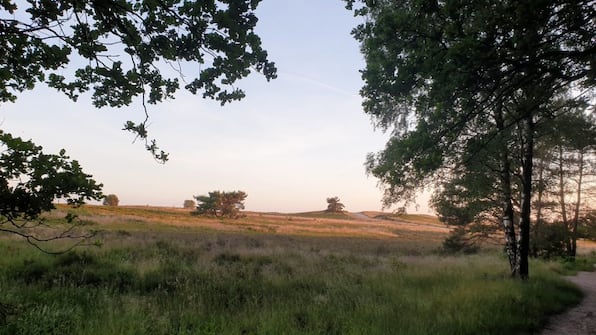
{"x": 163, "y": 271}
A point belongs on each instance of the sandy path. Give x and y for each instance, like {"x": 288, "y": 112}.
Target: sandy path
{"x": 580, "y": 320}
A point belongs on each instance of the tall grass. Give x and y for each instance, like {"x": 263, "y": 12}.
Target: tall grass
{"x": 252, "y": 284}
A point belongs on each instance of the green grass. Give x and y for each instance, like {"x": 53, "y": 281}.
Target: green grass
{"x": 196, "y": 282}
{"x": 571, "y": 266}
{"x": 323, "y": 215}
{"x": 416, "y": 218}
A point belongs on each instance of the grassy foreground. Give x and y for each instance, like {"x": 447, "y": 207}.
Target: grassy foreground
{"x": 193, "y": 281}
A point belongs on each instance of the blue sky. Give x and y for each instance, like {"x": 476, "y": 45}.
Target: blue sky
{"x": 290, "y": 144}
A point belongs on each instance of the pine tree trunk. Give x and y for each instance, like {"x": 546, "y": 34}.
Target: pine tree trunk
{"x": 508, "y": 214}
{"x": 538, "y": 223}
{"x": 565, "y": 222}
{"x": 526, "y": 201}
{"x": 577, "y": 205}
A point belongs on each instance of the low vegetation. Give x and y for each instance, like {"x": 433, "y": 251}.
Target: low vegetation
{"x": 155, "y": 278}
{"x": 111, "y": 200}
{"x": 189, "y": 204}
{"x": 324, "y": 215}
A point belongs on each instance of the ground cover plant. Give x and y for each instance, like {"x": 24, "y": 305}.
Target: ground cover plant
{"x": 168, "y": 279}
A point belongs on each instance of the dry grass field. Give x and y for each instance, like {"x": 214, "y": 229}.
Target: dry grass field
{"x": 164, "y": 271}
{"x": 365, "y": 224}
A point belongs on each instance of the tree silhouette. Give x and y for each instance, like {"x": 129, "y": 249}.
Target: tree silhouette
{"x": 30, "y": 182}
{"x": 221, "y": 204}
{"x": 111, "y": 200}
{"x": 127, "y": 49}
{"x": 334, "y": 205}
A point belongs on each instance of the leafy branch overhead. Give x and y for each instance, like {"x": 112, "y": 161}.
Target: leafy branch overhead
{"x": 30, "y": 182}
{"x": 126, "y": 49}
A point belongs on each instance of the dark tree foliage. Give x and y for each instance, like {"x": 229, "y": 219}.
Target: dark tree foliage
{"x": 111, "y": 200}
{"x": 470, "y": 194}
{"x": 30, "y": 182}
{"x": 334, "y": 205}
{"x": 221, "y": 204}
{"x": 565, "y": 177}
{"x": 436, "y": 70}
{"x": 452, "y": 78}
{"x": 588, "y": 226}
{"x": 123, "y": 49}
{"x": 458, "y": 242}
{"x": 467, "y": 199}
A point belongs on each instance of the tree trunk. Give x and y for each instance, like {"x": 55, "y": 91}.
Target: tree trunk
{"x": 538, "y": 223}
{"x": 508, "y": 217}
{"x": 508, "y": 214}
{"x": 561, "y": 172}
{"x": 577, "y": 205}
{"x": 526, "y": 201}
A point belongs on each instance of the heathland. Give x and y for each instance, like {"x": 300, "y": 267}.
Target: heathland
{"x": 163, "y": 271}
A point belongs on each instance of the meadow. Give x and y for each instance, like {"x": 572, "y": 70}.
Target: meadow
{"x": 162, "y": 271}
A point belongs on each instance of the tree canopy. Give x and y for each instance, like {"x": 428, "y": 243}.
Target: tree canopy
{"x": 435, "y": 70}
{"x": 455, "y": 81}
{"x": 220, "y": 204}
{"x": 334, "y": 205}
{"x": 30, "y": 182}
{"x": 111, "y": 200}
{"x": 120, "y": 50}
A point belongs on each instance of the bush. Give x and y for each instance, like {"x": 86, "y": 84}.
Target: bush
{"x": 459, "y": 242}
{"x": 189, "y": 204}
{"x": 111, "y": 200}
{"x": 587, "y": 227}
{"x": 550, "y": 240}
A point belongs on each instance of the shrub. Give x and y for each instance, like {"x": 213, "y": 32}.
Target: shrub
{"x": 550, "y": 240}
{"x": 458, "y": 241}
{"x": 189, "y": 204}
{"x": 111, "y": 200}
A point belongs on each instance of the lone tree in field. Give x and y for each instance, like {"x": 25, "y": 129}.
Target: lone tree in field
{"x": 458, "y": 81}
{"x": 221, "y": 204}
{"x": 334, "y": 205}
{"x": 30, "y": 182}
{"x": 189, "y": 204}
{"x": 126, "y": 51}
{"x": 111, "y": 200}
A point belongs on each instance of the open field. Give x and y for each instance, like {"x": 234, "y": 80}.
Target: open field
{"x": 311, "y": 223}
{"x": 162, "y": 271}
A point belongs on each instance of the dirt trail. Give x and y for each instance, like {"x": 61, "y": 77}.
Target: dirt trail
{"x": 580, "y": 320}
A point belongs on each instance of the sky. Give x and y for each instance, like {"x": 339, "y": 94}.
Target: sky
{"x": 290, "y": 144}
